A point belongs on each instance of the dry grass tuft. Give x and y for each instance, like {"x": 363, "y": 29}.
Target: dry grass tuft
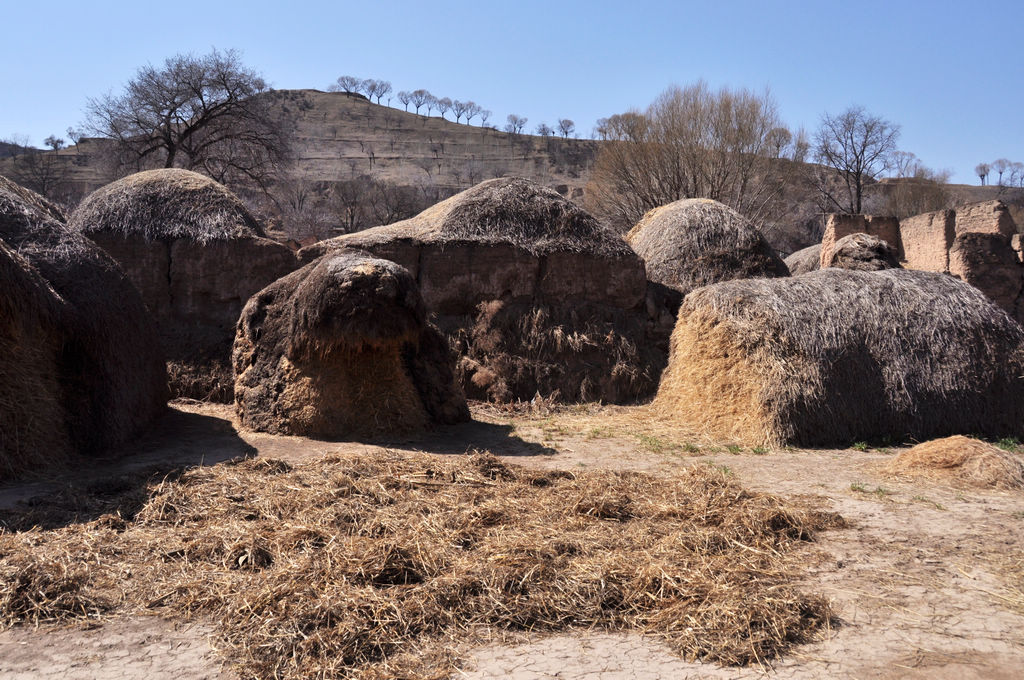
{"x": 961, "y": 460}
{"x": 387, "y": 566}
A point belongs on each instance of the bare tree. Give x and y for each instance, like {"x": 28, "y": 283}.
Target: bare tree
{"x": 690, "y": 142}
{"x": 566, "y": 127}
{"x": 444, "y": 104}
{"x": 485, "y": 115}
{"x": 459, "y": 109}
{"x": 405, "y": 97}
{"x": 56, "y": 143}
{"x": 778, "y": 140}
{"x": 982, "y": 170}
{"x": 74, "y": 135}
{"x": 1016, "y": 174}
{"x": 431, "y": 103}
{"x": 208, "y": 113}
{"x": 419, "y": 98}
{"x": 472, "y": 109}
{"x": 1001, "y": 165}
{"x": 349, "y": 84}
{"x": 515, "y": 124}
{"x": 544, "y": 130}
{"x": 856, "y": 146}
{"x": 801, "y": 146}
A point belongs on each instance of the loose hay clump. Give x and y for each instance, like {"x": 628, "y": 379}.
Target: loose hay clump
{"x": 383, "y": 565}
{"x": 961, "y": 460}
{"x": 838, "y": 356}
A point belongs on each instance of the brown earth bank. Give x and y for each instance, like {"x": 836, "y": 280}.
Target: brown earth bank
{"x": 927, "y": 580}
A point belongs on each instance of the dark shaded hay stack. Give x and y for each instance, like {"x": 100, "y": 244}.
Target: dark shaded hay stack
{"x": 864, "y": 253}
{"x": 342, "y": 348}
{"x": 695, "y": 242}
{"x": 963, "y": 461}
{"x": 838, "y": 356}
{"x": 534, "y": 293}
{"x": 804, "y": 261}
{"x": 197, "y": 255}
{"x": 80, "y": 367}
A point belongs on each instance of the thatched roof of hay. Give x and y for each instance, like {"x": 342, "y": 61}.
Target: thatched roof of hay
{"x": 863, "y": 252}
{"x": 507, "y": 210}
{"x": 166, "y": 204}
{"x": 961, "y": 460}
{"x": 838, "y": 356}
{"x": 342, "y": 347}
{"x": 112, "y": 374}
{"x": 696, "y": 242}
{"x": 805, "y": 260}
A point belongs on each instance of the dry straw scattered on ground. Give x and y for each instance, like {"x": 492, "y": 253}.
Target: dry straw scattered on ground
{"x": 961, "y": 460}
{"x": 386, "y": 565}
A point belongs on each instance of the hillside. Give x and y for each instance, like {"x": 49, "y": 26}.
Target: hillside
{"x": 358, "y": 164}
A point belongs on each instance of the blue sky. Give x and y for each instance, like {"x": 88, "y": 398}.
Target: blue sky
{"x": 951, "y": 74}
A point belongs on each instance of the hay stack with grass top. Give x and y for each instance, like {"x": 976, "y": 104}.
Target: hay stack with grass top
{"x": 80, "y": 367}
{"x": 838, "y": 356}
{"x": 342, "y": 348}
{"x": 695, "y": 242}
{"x": 535, "y": 294}
{"x": 196, "y": 255}
{"x": 963, "y": 461}
{"x": 863, "y": 252}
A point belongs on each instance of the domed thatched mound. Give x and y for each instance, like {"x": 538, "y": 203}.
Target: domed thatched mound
{"x": 533, "y": 292}
{"x": 196, "y": 255}
{"x": 804, "y": 261}
{"x": 80, "y": 371}
{"x": 342, "y": 348}
{"x": 696, "y": 242}
{"x": 961, "y": 460}
{"x": 166, "y": 204}
{"x": 838, "y": 356}
{"x": 863, "y": 252}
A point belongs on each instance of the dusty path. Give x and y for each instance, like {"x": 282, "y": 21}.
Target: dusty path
{"x": 928, "y": 581}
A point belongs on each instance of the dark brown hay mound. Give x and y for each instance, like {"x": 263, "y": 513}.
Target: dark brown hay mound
{"x": 863, "y": 252}
{"x": 838, "y": 356}
{"x": 165, "y": 204}
{"x": 962, "y": 460}
{"x": 552, "y": 269}
{"x": 696, "y": 242}
{"x": 804, "y": 261}
{"x": 196, "y": 255}
{"x": 82, "y": 371}
{"x": 387, "y": 566}
{"x": 342, "y": 347}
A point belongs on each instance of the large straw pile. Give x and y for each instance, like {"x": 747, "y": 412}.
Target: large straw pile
{"x": 805, "y": 260}
{"x": 838, "y": 356}
{"x": 388, "y": 566}
{"x": 695, "y": 242}
{"x": 165, "y": 204}
{"x": 963, "y": 461}
{"x": 533, "y": 292}
{"x": 196, "y": 255}
{"x": 342, "y": 347}
{"x": 863, "y": 252}
{"x": 81, "y": 371}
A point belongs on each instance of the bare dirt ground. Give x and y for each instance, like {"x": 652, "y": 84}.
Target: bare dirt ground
{"x": 928, "y": 581}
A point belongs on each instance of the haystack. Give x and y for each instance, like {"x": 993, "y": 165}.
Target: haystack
{"x": 838, "y": 356}
{"x": 197, "y": 255}
{"x": 696, "y": 242}
{"x": 863, "y": 252}
{"x": 804, "y": 261}
{"x": 963, "y": 461}
{"x": 342, "y": 348}
{"x": 80, "y": 368}
{"x": 533, "y": 292}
